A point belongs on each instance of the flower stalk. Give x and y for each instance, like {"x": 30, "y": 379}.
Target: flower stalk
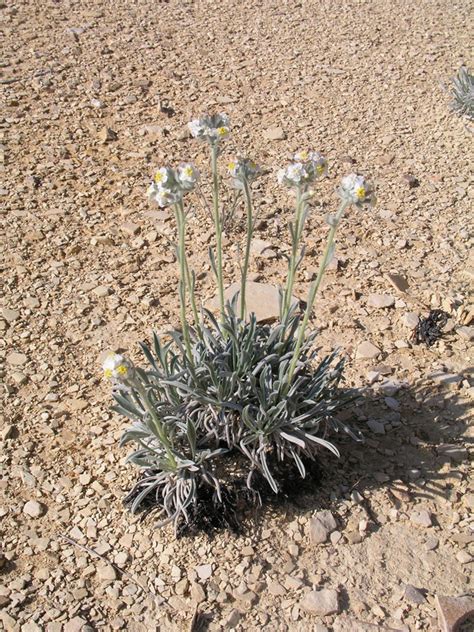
{"x": 218, "y": 228}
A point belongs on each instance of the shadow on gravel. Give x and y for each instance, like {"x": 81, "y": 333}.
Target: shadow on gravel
{"x": 411, "y": 448}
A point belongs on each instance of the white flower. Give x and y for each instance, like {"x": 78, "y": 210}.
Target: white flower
{"x": 212, "y": 129}
{"x": 187, "y": 176}
{"x": 117, "y": 367}
{"x": 315, "y": 165}
{"x": 162, "y": 176}
{"x": 242, "y": 170}
{"x": 357, "y": 190}
{"x": 293, "y": 176}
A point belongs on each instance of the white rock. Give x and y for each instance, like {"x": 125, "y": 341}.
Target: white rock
{"x": 320, "y": 602}
{"x": 410, "y": 320}
{"x": 367, "y": 351}
{"x": 380, "y": 301}
{"x": 204, "y": 571}
{"x": 421, "y": 518}
{"x": 33, "y": 509}
{"x": 274, "y": 133}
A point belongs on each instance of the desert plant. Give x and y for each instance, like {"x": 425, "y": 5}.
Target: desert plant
{"x": 463, "y": 93}
{"x": 230, "y": 384}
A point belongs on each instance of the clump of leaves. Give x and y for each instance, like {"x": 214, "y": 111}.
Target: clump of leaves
{"x": 430, "y": 329}
{"x": 463, "y": 93}
{"x": 237, "y": 399}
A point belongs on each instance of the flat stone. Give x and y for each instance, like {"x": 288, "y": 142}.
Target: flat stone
{"x": 107, "y": 135}
{"x": 367, "y": 351}
{"x": 431, "y": 543}
{"x": 320, "y": 602}
{"x": 106, "y": 573}
{"x": 262, "y": 248}
{"x": 101, "y": 291}
{"x": 204, "y": 571}
{"x": 466, "y": 332}
{"x": 398, "y": 281}
{"x": 415, "y": 595}
{"x": 74, "y": 625}
{"x": 410, "y": 320}
{"x": 232, "y": 620}
{"x": 380, "y": 301}
{"x": 263, "y": 299}
{"x": 320, "y": 526}
{"x": 10, "y": 315}
{"x": 274, "y": 133}
{"x": 377, "y": 427}
{"x": 421, "y": 518}
{"x": 128, "y": 228}
{"x": 452, "y": 611}
{"x": 463, "y": 557}
{"x": 33, "y": 509}
{"x": 77, "y": 404}
{"x": 16, "y": 359}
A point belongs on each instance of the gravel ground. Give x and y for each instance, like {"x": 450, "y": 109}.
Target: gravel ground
{"x": 97, "y": 95}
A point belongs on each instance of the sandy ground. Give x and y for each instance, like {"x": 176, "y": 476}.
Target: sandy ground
{"x": 88, "y": 267}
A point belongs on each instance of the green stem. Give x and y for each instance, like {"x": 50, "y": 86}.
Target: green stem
{"x": 297, "y": 231}
{"x": 248, "y": 201}
{"x": 180, "y": 220}
{"x": 189, "y": 280}
{"x": 217, "y": 224}
{"x": 314, "y": 289}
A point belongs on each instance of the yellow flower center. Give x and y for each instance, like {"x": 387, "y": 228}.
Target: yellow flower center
{"x": 319, "y": 169}
{"x": 122, "y": 370}
{"x": 159, "y": 177}
{"x": 222, "y": 131}
{"x": 108, "y": 373}
{"x": 188, "y": 172}
{"x": 304, "y": 155}
{"x": 231, "y": 166}
{"x": 360, "y": 193}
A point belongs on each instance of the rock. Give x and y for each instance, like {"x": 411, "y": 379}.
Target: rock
{"x": 377, "y": 427}
{"x": 16, "y": 359}
{"x": 107, "y": 135}
{"x": 466, "y": 332}
{"x": 262, "y": 299}
{"x": 415, "y": 595}
{"x": 380, "y": 300}
{"x": 452, "y": 611}
{"x": 421, "y": 518}
{"x": 75, "y": 625}
{"x": 398, "y": 282}
{"x": 233, "y": 619}
{"x": 274, "y": 133}
{"x": 367, "y": 351}
{"x": 261, "y": 248}
{"x": 410, "y": 180}
{"x": 463, "y": 557}
{"x": 7, "y": 432}
{"x": 76, "y": 405}
{"x": 320, "y": 526}
{"x": 204, "y": 571}
{"x": 33, "y": 509}
{"x": 128, "y": 228}
{"x": 10, "y": 315}
{"x": 410, "y": 320}
{"x": 431, "y": 543}
{"x": 106, "y": 573}
{"x": 354, "y": 537}
{"x": 101, "y": 291}
{"x": 320, "y": 602}
{"x": 198, "y": 593}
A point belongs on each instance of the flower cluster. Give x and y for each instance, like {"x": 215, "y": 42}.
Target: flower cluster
{"x": 356, "y": 190}
{"x": 308, "y": 167}
{"x": 117, "y": 367}
{"x": 212, "y": 128}
{"x": 169, "y": 185}
{"x": 242, "y": 170}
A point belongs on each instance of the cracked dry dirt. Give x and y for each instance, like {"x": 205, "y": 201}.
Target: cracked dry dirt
{"x": 88, "y": 266}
